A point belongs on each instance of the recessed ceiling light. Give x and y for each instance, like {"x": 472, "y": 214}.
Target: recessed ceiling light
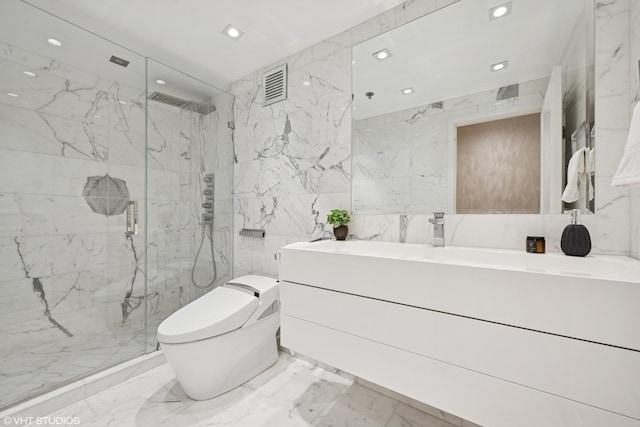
{"x": 161, "y": 82}
{"x": 232, "y": 32}
{"x": 407, "y": 91}
{"x": 306, "y": 83}
{"x": 29, "y": 73}
{"x": 499, "y": 66}
{"x": 381, "y": 55}
{"x": 54, "y": 42}
{"x": 499, "y": 11}
{"x": 122, "y": 102}
{"x": 13, "y": 95}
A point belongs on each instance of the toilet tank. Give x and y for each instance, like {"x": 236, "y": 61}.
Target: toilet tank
{"x": 267, "y": 290}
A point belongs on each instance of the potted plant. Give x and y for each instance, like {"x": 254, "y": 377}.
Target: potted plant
{"x": 339, "y": 218}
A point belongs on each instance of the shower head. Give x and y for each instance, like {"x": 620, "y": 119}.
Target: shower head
{"x": 196, "y": 107}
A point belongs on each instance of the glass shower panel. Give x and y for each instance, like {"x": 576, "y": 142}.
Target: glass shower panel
{"x": 72, "y": 159}
{"x": 190, "y": 185}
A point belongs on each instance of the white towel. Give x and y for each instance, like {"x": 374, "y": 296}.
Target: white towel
{"x": 628, "y": 173}
{"x": 575, "y": 173}
{"x": 590, "y": 168}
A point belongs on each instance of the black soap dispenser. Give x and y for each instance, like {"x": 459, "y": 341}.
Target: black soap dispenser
{"x": 575, "y": 237}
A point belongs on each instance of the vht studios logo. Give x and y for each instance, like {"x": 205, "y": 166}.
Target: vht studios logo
{"x": 41, "y": 421}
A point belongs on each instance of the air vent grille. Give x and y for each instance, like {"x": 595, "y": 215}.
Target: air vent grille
{"x": 274, "y": 85}
{"x": 119, "y": 61}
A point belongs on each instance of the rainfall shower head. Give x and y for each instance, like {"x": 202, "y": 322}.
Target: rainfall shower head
{"x": 196, "y": 107}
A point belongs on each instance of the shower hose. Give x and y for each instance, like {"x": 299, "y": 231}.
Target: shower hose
{"x": 205, "y": 234}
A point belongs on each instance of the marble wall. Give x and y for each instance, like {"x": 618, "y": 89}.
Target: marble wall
{"x": 176, "y": 240}
{"x": 73, "y": 152}
{"x": 293, "y": 158}
{"x": 401, "y": 160}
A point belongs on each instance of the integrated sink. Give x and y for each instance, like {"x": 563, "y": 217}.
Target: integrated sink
{"x": 604, "y": 267}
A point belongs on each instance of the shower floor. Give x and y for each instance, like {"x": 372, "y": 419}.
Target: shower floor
{"x": 35, "y": 370}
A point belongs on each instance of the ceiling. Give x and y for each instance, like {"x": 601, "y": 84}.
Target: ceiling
{"x": 188, "y": 34}
{"x": 447, "y": 54}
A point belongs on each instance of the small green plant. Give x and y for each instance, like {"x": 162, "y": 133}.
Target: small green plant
{"x": 338, "y": 218}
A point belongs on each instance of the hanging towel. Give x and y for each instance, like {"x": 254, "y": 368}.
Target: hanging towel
{"x": 628, "y": 173}
{"x": 575, "y": 173}
{"x": 590, "y": 168}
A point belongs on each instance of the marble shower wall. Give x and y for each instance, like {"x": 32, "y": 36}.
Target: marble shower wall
{"x": 293, "y": 158}
{"x": 634, "y": 65}
{"x": 66, "y": 271}
{"x": 66, "y": 126}
{"x": 200, "y": 144}
{"x": 71, "y": 144}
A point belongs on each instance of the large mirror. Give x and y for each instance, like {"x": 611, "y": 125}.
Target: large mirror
{"x": 483, "y": 106}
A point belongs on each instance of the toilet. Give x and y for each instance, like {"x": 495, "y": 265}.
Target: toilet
{"x": 224, "y": 338}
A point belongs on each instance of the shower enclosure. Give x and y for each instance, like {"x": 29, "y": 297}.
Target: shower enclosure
{"x": 105, "y": 158}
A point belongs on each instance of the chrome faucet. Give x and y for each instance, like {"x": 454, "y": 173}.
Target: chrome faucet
{"x": 438, "y": 228}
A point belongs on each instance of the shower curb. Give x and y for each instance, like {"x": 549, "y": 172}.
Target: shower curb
{"x": 55, "y": 400}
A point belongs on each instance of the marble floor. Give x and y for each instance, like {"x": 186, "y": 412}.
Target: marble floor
{"x": 25, "y": 372}
{"x": 292, "y": 393}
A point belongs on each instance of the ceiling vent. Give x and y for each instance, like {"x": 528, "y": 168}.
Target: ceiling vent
{"x": 119, "y": 61}
{"x": 274, "y": 85}
{"x": 196, "y": 107}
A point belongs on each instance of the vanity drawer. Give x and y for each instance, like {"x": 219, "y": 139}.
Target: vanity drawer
{"x": 603, "y": 311}
{"x": 479, "y": 398}
{"x": 602, "y": 376}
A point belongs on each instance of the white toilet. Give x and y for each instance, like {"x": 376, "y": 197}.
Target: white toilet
{"x": 224, "y": 338}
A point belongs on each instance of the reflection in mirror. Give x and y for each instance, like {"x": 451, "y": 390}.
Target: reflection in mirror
{"x": 511, "y": 146}
{"x": 476, "y": 115}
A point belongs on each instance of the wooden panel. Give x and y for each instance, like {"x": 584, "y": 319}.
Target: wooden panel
{"x": 498, "y": 166}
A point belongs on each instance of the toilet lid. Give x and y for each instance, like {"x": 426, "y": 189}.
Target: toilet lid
{"x": 220, "y": 311}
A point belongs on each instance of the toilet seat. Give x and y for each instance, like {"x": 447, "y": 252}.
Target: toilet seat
{"x": 225, "y": 337}
{"x": 220, "y": 311}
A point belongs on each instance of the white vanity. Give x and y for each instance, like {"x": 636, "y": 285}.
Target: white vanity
{"x": 500, "y": 337}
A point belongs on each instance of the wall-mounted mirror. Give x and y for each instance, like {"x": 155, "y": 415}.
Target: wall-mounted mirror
{"x": 478, "y": 107}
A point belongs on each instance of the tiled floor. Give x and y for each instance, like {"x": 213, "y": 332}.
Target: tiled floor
{"x": 25, "y": 372}
{"x": 292, "y": 393}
